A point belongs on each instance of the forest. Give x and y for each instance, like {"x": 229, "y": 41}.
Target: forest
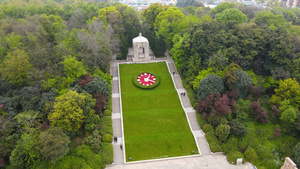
{"x": 240, "y": 66}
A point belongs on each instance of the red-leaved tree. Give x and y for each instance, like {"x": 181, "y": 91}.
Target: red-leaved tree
{"x": 205, "y": 106}
{"x": 84, "y": 80}
{"x": 222, "y": 106}
{"x": 259, "y": 112}
{"x": 100, "y": 103}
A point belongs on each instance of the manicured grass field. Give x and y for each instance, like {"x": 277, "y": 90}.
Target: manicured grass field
{"x": 155, "y": 125}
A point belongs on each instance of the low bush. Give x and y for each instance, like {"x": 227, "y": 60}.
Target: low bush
{"x": 250, "y": 154}
{"x": 92, "y": 159}
{"x": 71, "y": 162}
{"x": 107, "y": 112}
{"x": 232, "y": 156}
{"x": 213, "y": 141}
{"x": 230, "y": 145}
{"x": 207, "y": 128}
{"x": 109, "y": 104}
{"x": 195, "y": 105}
{"x": 105, "y": 125}
{"x": 107, "y": 153}
{"x": 200, "y": 120}
{"x": 107, "y": 138}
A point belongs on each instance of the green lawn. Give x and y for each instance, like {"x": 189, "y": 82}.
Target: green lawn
{"x": 155, "y": 125}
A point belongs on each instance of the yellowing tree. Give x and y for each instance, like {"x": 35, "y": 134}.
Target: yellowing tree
{"x": 288, "y": 89}
{"x": 15, "y": 67}
{"x": 67, "y": 111}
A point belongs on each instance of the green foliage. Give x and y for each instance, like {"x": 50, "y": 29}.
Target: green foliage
{"x": 107, "y": 153}
{"x": 177, "y": 51}
{"x": 72, "y": 162}
{"x": 13, "y": 41}
{"x": 170, "y": 22}
{"x": 232, "y": 14}
{"x": 25, "y": 154}
{"x": 27, "y": 120}
{"x": 222, "y": 132}
{"x": 230, "y": 145}
{"x": 92, "y": 159}
{"x": 296, "y": 153}
{"x": 202, "y": 74}
{"x": 67, "y": 111}
{"x": 213, "y": 141}
{"x": 107, "y": 112}
{"x": 94, "y": 141}
{"x": 230, "y": 77}
{"x": 237, "y": 128}
{"x": 105, "y": 76}
{"x": 105, "y": 125}
{"x": 53, "y": 144}
{"x": 47, "y": 98}
{"x": 232, "y": 156}
{"x": 243, "y": 84}
{"x": 250, "y": 155}
{"x": 253, "y": 76}
{"x": 221, "y": 7}
{"x": 211, "y": 83}
{"x": 15, "y": 68}
{"x": 107, "y": 138}
{"x": 289, "y": 115}
{"x": 267, "y": 17}
{"x": 98, "y": 85}
{"x": 288, "y": 89}
{"x": 73, "y": 68}
{"x": 207, "y": 128}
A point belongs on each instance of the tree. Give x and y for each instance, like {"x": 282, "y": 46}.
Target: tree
{"x": 67, "y": 111}
{"x": 15, "y": 68}
{"x": 98, "y": 85}
{"x": 267, "y": 17}
{"x": 222, "y": 132}
{"x": 231, "y": 14}
{"x": 27, "y": 120}
{"x": 151, "y": 13}
{"x": 211, "y": 83}
{"x": 170, "y": 22}
{"x": 296, "y": 152}
{"x": 94, "y": 141}
{"x": 243, "y": 84}
{"x": 53, "y": 144}
{"x": 289, "y": 115}
{"x": 288, "y": 89}
{"x": 259, "y": 112}
{"x": 73, "y": 68}
{"x": 221, "y": 7}
{"x": 237, "y": 128}
{"x": 222, "y": 106}
{"x": 230, "y": 77}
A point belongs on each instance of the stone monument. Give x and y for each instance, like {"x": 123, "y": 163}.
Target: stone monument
{"x": 140, "y": 51}
{"x": 289, "y": 164}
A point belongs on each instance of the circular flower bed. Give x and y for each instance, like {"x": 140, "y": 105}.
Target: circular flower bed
{"x": 146, "y": 80}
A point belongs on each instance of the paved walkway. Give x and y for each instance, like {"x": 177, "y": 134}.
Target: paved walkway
{"x": 199, "y": 162}
{"x": 207, "y": 159}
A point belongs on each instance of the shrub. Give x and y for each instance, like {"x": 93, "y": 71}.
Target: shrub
{"x": 259, "y": 113}
{"x": 243, "y": 84}
{"x": 107, "y": 138}
{"x": 98, "y": 85}
{"x": 222, "y": 132}
{"x": 100, "y": 103}
{"x": 237, "y": 128}
{"x": 211, "y": 83}
{"x": 214, "y": 143}
{"x": 243, "y": 144}
{"x": 222, "y": 106}
{"x": 107, "y": 153}
{"x": 195, "y": 105}
{"x": 105, "y": 125}
{"x": 71, "y": 162}
{"x": 277, "y": 133}
{"x": 230, "y": 145}
{"x": 207, "y": 128}
{"x": 289, "y": 115}
{"x": 232, "y": 156}
{"x": 84, "y": 80}
{"x": 217, "y": 120}
{"x": 92, "y": 159}
{"x": 250, "y": 154}
{"x": 205, "y": 106}
{"x": 94, "y": 141}
{"x": 107, "y": 112}
{"x": 109, "y": 104}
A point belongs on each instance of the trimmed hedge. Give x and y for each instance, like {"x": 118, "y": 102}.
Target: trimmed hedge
{"x": 207, "y": 128}
{"x": 105, "y": 125}
{"x": 107, "y": 153}
{"x": 107, "y": 112}
{"x": 233, "y": 155}
{"x": 137, "y": 84}
{"x": 213, "y": 141}
{"x": 107, "y": 138}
